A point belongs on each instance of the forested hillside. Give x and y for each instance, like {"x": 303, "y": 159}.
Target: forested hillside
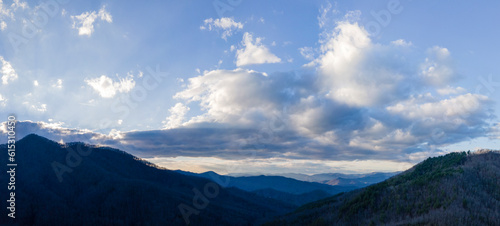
{"x": 455, "y": 189}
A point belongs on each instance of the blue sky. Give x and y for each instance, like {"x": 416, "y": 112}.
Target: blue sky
{"x": 256, "y": 86}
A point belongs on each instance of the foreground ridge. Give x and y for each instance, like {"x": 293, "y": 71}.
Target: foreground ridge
{"x": 460, "y": 188}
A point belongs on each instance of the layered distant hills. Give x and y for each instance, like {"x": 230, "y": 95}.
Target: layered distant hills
{"x": 298, "y": 191}
{"x": 349, "y": 180}
{"x": 291, "y": 191}
{"x": 455, "y": 189}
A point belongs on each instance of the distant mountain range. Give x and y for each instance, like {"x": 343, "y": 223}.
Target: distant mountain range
{"x": 455, "y": 189}
{"x": 295, "y": 191}
{"x": 288, "y": 190}
{"x": 356, "y": 180}
{"x": 279, "y": 183}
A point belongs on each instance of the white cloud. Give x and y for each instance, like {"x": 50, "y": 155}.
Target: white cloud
{"x": 437, "y": 69}
{"x": 57, "y": 84}
{"x": 19, "y": 4}
{"x": 307, "y": 52}
{"x": 254, "y": 53}
{"x": 108, "y": 88}
{"x": 7, "y": 12}
{"x": 437, "y": 122}
{"x": 358, "y": 72}
{"x": 352, "y": 70}
{"x": 105, "y": 15}
{"x": 227, "y": 25}
{"x": 3, "y": 101}
{"x": 451, "y": 90}
{"x": 234, "y": 97}
{"x": 4, "y": 11}
{"x": 352, "y": 16}
{"x": 361, "y": 97}
{"x": 8, "y": 72}
{"x": 401, "y": 42}
{"x": 85, "y": 21}
{"x": 37, "y": 107}
{"x": 455, "y": 108}
{"x": 177, "y": 116}
{"x": 325, "y": 14}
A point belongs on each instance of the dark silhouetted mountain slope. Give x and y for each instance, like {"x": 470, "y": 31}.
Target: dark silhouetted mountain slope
{"x": 105, "y": 186}
{"x": 293, "y": 199}
{"x": 455, "y": 189}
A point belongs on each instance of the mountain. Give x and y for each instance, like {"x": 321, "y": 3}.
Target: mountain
{"x": 80, "y": 184}
{"x": 357, "y": 180}
{"x": 454, "y": 189}
{"x": 350, "y": 180}
{"x": 288, "y": 190}
{"x": 278, "y": 183}
{"x": 292, "y": 199}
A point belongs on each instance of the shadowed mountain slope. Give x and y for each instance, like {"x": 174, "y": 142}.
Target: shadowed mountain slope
{"x": 105, "y": 186}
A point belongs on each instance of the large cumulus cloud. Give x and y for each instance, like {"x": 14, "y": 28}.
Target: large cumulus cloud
{"x": 357, "y": 99}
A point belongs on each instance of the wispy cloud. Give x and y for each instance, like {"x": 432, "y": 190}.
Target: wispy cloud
{"x": 2, "y": 101}
{"x": 107, "y": 88}
{"x": 7, "y": 71}
{"x": 225, "y": 25}
{"x": 84, "y": 22}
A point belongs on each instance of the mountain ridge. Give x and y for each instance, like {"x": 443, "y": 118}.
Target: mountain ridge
{"x": 288, "y": 190}
{"x": 103, "y": 185}
{"x": 280, "y": 183}
{"x": 357, "y": 180}
{"x": 454, "y": 189}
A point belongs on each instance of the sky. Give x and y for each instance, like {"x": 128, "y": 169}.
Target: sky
{"x": 239, "y": 86}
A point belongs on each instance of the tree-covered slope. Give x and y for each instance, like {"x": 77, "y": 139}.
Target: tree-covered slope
{"x": 454, "y": 189}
